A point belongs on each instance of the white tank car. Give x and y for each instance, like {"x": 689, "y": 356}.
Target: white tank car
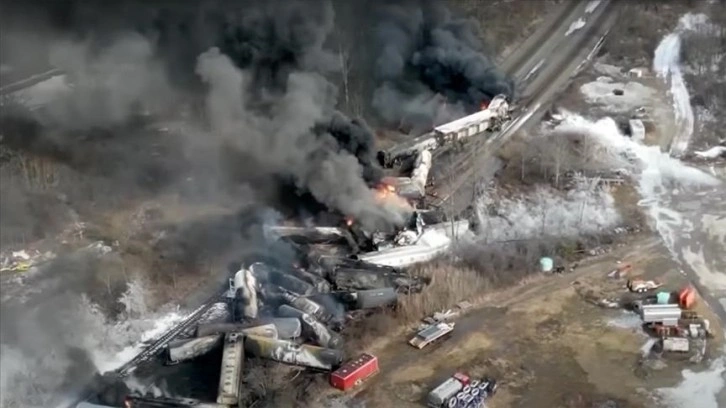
{"x": 421, "y": 169}
{"x": 244, "y": 290}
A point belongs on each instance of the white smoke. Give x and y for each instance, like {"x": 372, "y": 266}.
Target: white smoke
{"x": 656, "y": 173}
{"x": 68, "y": 343}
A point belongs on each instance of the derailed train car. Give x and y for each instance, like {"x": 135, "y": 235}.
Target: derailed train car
{"x": 312, "y": 328}
{"x": 287, "y": 328}
{"x": 350, "y": 279}
{"x": 178, "y": 351}
{"x": 288, "y": 352}
{"x": 489, "y": 119}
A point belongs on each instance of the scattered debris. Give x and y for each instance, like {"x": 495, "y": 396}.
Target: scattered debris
{"x": 621, "y": 271}
{"x": 23, "y": 260}
{"x": 641, "y": 286}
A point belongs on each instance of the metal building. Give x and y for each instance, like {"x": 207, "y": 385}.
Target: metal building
{"x": 665, "y": 314}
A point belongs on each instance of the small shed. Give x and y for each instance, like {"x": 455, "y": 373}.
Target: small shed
{"x": 665, "y": 314}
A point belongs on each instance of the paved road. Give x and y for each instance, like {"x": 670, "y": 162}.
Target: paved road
{"x": 540, "y": 78}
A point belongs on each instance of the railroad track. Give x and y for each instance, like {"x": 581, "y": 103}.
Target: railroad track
{"x": 160, "y": 342}
{"x": 531, "y": 104}
{"x": 154, "y": 348}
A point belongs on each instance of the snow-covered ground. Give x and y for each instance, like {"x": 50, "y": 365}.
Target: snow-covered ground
{"x": 576, "y": 25}
{"x": 602, "y": 92}
{"x": 687, "y": 207}
{"x": 707, "y": 386}
{"x": 712, "y": 153}
{"x": 666, "y": 64}
{"x": 545, "y": 212}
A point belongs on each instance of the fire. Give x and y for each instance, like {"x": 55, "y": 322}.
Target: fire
{"x": 484, "y": 105}
{"x": 383, "y": 191}
{"x": 386, "y": 193}
{"x": 349, "y": 221}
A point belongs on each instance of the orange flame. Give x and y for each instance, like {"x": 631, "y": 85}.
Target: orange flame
{"x": 484, "y": 105}
{"x": 349, "y": 221}
{"x": 386, "y": 193}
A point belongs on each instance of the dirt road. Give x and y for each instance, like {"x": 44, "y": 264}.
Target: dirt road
{"x": 545, "y": 342}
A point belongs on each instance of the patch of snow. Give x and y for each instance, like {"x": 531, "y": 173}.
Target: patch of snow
{"x": 601, "y": 92}
{"x": 534, "y": 69}
{"x": 627, "y": 320}
{"x": 698, "y": 389}
{"x": 607, "y": 69}
{"x": 592, "y": 5}
{"x": 712, "y": 153}
{"x": 546, "y": 213}
{"x": 666, "y": 64}
{"x": 576, "y": 25}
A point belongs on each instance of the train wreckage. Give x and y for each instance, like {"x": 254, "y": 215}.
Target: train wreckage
{"x": 293, "y": 313}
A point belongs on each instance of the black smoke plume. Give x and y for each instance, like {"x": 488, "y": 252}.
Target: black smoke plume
{"x": 432, "y": 66}
{"x": 251, "y": 79}
{"x": 200, "y": 98}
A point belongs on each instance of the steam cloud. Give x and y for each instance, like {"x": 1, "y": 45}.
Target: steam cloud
{"x": 431, "y": 65}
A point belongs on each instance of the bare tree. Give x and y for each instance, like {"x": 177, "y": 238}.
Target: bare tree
{"x": 558, "y": 152}
{"x": 344, "y": 58}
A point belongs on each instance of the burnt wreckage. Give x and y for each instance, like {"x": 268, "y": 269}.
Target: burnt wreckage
{"x": 293, "y": 312}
